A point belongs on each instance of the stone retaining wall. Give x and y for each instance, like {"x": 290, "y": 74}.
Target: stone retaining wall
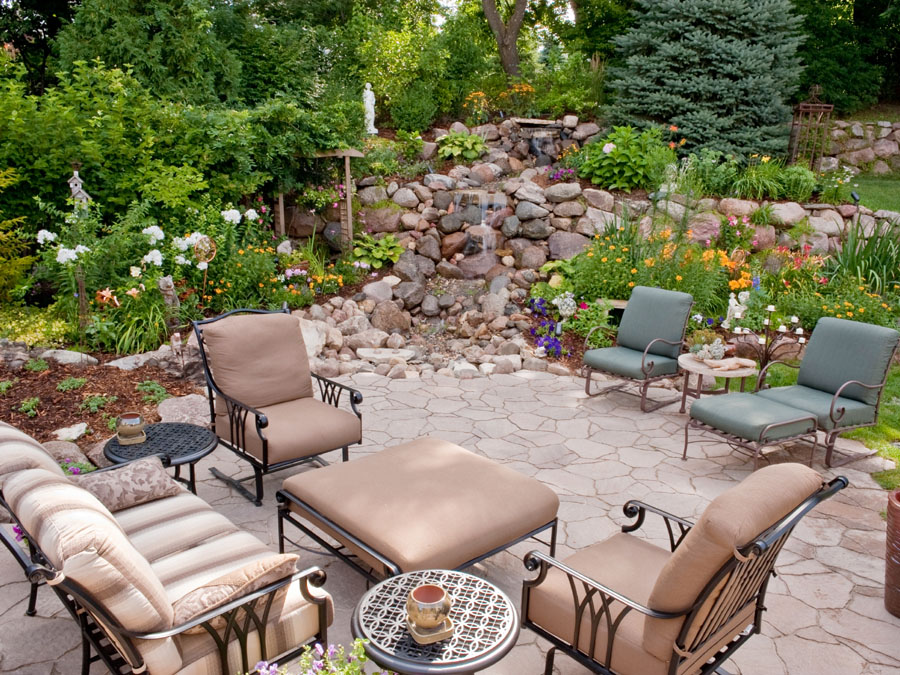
{"x": 871, "y": 147}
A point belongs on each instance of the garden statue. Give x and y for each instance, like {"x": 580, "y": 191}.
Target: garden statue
{"x": 737, "y": 305}
{"x": 369, "y": 103}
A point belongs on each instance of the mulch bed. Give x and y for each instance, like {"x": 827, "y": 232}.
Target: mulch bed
{"x": 62, "y": 409}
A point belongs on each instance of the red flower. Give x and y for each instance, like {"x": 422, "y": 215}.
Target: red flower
{"x": 582, "y": 305}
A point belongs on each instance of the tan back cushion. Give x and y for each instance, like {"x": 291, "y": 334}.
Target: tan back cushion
{"x": 82, "y": 539}
{"x": 258, "y": 359}
{"x": 731, "y": 521}
{"x": 20, "y": 451}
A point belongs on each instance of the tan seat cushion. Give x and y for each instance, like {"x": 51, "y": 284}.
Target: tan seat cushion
{"x": 258, "y": 359}
{"x": 300, "y": 428}
{"x": 20, "y": 451}
{"x": 143, "y": 480}
{"x": 625, "y": 564}
{"x": 427, "y": 503}
{"x": 732, "y": 520}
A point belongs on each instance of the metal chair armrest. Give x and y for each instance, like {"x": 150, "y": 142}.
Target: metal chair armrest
{"x": 331, "y": 392}
{"x": 591, "y": 332}
{"x": 634, "y": 508}
{"x": 841, "y": 411}
{"x": 761, "y": 378}
{"x": 535, "y": 560}
{"x": 647, "y": 368}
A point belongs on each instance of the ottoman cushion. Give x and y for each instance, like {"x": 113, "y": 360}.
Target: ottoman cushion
{"x": 425, "y": 504}
{"x": 627, "y": 362}
{"x": 747, "y": 415}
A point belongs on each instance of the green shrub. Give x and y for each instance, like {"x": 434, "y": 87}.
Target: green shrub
{"x": 71, "y": 383}
{"x": 590, "y": 316}
{"x": 836, "y": 186}
{"x": 758, "y": 180}
{"x": 30, "y": 406}
{"x": 36, "y": 365}
{"x": 414, "y": 109}
{"x": 458, "y": 144}
{"x": 797, "y": 183}
{"x": 626, "y": 159}
{"x": 873, "y": 260}
{"x": 96, "y": 402}
{"x": 153, "y": 391}
{"x": 35, "y": 326}
{"x": 710, "y": 173}
{"x": 13, "y": 245}
{"x": 6, "y": 385}
{"x": 377, "y": 252}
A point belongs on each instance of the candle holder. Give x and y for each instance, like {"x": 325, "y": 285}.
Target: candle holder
{"x": 772, "y": 338}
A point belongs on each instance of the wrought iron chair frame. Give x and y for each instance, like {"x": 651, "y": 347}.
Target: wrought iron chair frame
{"x": 103, "y": 639}
{"x": 755, "y": 561}
{"x": 646, "y": 368}
{"x": 389, "y": 567}
{"x": 330, "y": 391}
{"x": 836, "y": 413}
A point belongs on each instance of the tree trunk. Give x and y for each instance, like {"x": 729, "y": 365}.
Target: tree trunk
{"x": 506, "y": 34}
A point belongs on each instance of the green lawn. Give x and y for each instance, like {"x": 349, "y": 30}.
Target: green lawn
{"x": 879, "y": 192}
{"x": 883, "y": 437}
{"x": 877, "y": 113}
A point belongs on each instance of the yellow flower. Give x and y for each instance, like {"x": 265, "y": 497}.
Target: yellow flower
{"x": 754, "y": 156}
{"x": 861, "y": 310}
{"x": 849, "y": 313}
{"x": 630, "y": 284}
{"x": 590, "y": 254}
{"x": 604, "y": 259}
{"x": 677, "y": 277}
{"x": 840, "y": 316}
{"x": 240, "y": 251}
{"x": 765, "y": 159}
{"x": 862, "y": 288}
{"x": 612, "y": 247}
{"x": 649, "y": 262}
{"x": 885, "y": 305}
{"x": 634, "y": 270}
{"x": 239, "y": 265}
{"x": 625, "y": 249}
{"x": 618, "y": 260}
{"x": 260, "y": 284}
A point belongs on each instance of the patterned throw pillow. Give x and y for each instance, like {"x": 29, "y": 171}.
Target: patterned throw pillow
{"x": 138, "y": 482}
{"x": 231, "y": 585}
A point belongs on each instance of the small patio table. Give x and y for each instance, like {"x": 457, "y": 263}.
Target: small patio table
{"x": 176, "y": 443}
{"x": 486, "y": 625}
{"x": 691, "y": 365}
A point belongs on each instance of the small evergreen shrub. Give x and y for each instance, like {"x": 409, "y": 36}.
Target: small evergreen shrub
{"x": 797, "y": 183}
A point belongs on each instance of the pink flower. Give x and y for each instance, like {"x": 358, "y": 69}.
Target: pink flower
{"x": 745, "y": 220}
{"x": 755, "y": 242}
{"x": 259, "y": 199}
{"x": 582, "y": 305}
{"x": 262, "y": 208}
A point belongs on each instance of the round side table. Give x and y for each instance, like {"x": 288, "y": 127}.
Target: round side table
{"x": 691, "y": 365}
{"x": 486, "y": 625}
{"x": 176, "y": 443}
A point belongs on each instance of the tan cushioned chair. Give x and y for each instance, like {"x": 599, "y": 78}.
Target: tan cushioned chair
{"x": 257, "y": 371}
{"x": 423, "y": 504}
{"x": 670, "y": 611}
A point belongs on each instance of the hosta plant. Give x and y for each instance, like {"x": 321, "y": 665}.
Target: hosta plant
{"x": 457, "y": 144}
{"x": 377, "y": 252}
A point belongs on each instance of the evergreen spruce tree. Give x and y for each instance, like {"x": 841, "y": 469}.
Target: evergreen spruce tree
{"x": 722, "y": 71}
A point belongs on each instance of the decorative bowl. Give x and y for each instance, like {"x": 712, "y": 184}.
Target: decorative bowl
{"x": 130, "y": 428}
{"x": 428, "y": 606}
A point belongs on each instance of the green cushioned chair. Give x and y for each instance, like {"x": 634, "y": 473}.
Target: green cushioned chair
{"x": 841, "y": 377}
{"x": 648, "y": 343}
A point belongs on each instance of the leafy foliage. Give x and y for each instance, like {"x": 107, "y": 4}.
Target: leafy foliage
{"x": 13, "y": 265}
{"x": 458, "y": 144}
{"x": 71, "y": 383}
{"x": 96, "y": 402}
{"x": 36, "y": 365}
{"x": 674, "y": 71}
{"x": 6, "y": 385}
{"x": 797, "y": 183}
{"x": 414, "y": 109}
{"x": 626, "y": 159}
{"x": 153, "y": 391}
{"x": 29, "y": 406}
{"x": 377, "y": 252}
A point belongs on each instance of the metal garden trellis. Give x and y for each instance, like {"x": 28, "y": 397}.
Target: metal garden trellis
{"x": 810, "y": 128}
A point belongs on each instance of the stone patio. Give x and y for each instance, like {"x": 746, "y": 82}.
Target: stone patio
{"x": 826, "y": 612}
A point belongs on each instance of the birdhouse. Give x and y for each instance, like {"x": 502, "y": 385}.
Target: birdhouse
{"x": 78, "y": 192}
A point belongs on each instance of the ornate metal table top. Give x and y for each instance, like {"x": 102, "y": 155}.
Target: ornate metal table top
{"x": 181, "y": 443}
{"x": 485, "y": 622}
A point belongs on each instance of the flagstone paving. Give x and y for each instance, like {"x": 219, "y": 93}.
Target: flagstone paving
{"x": 825, "y": 607}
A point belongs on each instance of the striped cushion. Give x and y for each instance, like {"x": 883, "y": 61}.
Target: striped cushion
{"x": 20, "y": 451}
{"x": 292, "y": 622}
{"x": 81, "y": 538}
{"x": 187, "y": 543}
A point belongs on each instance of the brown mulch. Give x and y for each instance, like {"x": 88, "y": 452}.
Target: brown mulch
{"x": 62, "y": 409}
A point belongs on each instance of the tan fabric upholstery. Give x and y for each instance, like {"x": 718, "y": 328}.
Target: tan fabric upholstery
{"x": 732, "y": 520}
{"x": 258, "y": 359}
{"x": 427, "y": 503}
{"x": 143, "y": 480}
{"x": 20, "y": 451}
{"x": 624, "y": 563}
{"x": 234, "y": 584}
{"x": 293, "y": 621}
{"x": 300, "y": 428}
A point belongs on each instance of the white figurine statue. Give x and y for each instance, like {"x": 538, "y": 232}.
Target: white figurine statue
{"x": 737, "y": 305}
{"x": 369, "y": 103}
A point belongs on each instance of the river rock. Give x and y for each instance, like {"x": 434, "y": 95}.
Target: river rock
{"x": 737, "y": 207}
{"x": 539, "y": 228}
{"x": 600, "y": 199}
{"x": 430, "y": 248}
{"x": 453, "y": 243}
{"x": 788, "y": 213}
{"x": 367, "y": 338}
{"x": 532, "y": 258}
{"x": 410, "y": 292}
{"x": 406, "y": 198}
{"x": 390, "y": 318}
{"x": 511, "y": 227}
{"x": 531, "y": 192}
{"x": 371, "y": 195}
{"x": 562, "y": 192}
{"x": 68, "y": 357}
{"x": 438, "y": 181}
{"x": 571, "y": 209}
{"x": 448, "y": 270}
{"x": 585, "y": 130}
{"x": 386, "y": 219}
{"x": 430, "y": 306}
{"x": 529, "y": 210}
{"x": 565, "y": 245}
{"x": 378, "y": 291}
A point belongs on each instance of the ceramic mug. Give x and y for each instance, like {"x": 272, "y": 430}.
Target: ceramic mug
{"x": 428, "y": 606}
{"x": 130, "y": 428}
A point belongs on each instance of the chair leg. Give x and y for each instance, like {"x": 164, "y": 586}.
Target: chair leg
{"x": 280, "y": 529}
{"x": 548, "y": 664}
{"x": 586, "y": 371}
{"x": 32, "y": 600}
{"x": 687, "y": 426}
{"x": 259, "y": 485}
{"x": 345, "y": 454}
{"x": 85, "y": 656}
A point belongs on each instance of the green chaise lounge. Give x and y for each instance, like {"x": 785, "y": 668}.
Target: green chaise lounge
{"x": 648, "y": 343}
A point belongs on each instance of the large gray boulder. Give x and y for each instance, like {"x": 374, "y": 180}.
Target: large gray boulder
{"x": 562, "y": 192}
{"x": 390, "y": 318}
{"x": 529, "y": 210}
{"x": 406, "y": 198}
{"x": 538, "y": 228}
{"x": 565, "y": 245}
{"x": 371, "y": 195}
{"x": 410, "y": 292}
{"x": 531, "y": 192}
{"x": 371, "y": 338}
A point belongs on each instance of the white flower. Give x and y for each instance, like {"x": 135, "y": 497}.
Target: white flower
{"x": 232, "y": 216}
{"x": 81, "y": 249}
{"x": 135, "y": 271}
{"x": 251, "y": 214}
{"x": 45, "y": 236}
{"x": 608, "y": 148}
{"x": 697, "y": 317}
{"x": 181, "y": 260}
{"x": 202, "y": 265}
{"x": 65, "y": 255}
{"x": 153, "y": 258}
{"x": 184, "y": 243}
{"x": 155, "y": 234}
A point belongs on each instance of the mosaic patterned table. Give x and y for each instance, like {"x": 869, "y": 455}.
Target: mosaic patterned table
{"x": 486, "y": 625}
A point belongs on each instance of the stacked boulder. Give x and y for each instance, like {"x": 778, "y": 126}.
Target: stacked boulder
{"x": 874, "y": 146}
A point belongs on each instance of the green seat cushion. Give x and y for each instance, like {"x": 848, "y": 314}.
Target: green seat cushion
{"x": 627, "y": 362}
{"x": 654, "y": 313}
{"x": 747, "y": 416}
{"x": 842, "y": 350}
{"x": 819, "y": 404}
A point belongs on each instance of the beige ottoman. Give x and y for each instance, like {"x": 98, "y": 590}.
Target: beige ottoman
{"x": 425, "y": 504}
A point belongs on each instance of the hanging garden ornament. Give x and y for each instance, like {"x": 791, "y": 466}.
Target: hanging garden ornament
{"x": 204, "y": 252}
